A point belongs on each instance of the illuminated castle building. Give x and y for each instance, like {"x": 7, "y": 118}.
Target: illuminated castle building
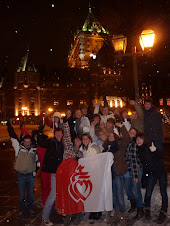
{"x": 87, "y": 43}
{"x": 92, "y": 73}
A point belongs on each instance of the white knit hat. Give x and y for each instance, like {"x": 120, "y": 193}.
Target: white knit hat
{"x": 57, "y": 114}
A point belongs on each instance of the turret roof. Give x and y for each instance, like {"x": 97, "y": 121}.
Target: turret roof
{"x": 91, "y": 22}
{"x": 26, "y": 64}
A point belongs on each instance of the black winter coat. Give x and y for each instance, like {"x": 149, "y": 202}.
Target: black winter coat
{"x": 153, "y": 125}
{"x": 152, "y": 162}
{"x": 54, "y": 153}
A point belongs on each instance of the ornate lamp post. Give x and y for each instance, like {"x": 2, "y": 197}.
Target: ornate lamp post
{"x": 146, "y": 40}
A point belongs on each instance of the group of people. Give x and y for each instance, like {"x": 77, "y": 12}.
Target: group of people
{"x": 136, "y": 143}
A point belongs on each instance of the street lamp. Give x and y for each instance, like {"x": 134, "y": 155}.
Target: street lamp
{"x": 146, "y": 40}
{"x": 50, "y": 109}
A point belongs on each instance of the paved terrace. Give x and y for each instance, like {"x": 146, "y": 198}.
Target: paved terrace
{"x": 9, "y": 193}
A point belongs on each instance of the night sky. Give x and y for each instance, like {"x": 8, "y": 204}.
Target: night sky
{"x": 47, "y": 27}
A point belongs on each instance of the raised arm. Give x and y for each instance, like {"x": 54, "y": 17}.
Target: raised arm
{"x": 14, "y": 138}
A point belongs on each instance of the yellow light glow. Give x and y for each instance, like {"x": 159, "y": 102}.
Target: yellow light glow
{"x": 16, "y": 112}
{"x": 50, "y": 109}
{"x": 115, "y": 103}
{"x": 24, "y": 108}
{"x": 119, "y": 43}
{"x": 63, "y": 114}
{"x": 17, "y": 119}
{"x": 111, "y": 104}
{"x": 36, "y": 112}
{"x": 161, "y": 110}
{"x": 147, "y": 38}
{"x": 121, "y": 103}
{"x": 129, "y": 113}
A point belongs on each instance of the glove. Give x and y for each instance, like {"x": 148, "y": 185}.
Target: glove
{"x": 152, "y": 147}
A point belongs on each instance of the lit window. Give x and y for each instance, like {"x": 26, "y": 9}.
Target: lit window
{"x": 56, "y": 103}
{"x": 57, "y": 85}
{"x": 82, "y": 101}
{"x": 69, "y": 102}
{"x": 32, "y": 101}
{"x": 20, "y": 101}
{"x": 161, "y": 101}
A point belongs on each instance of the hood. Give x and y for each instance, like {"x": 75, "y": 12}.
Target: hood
{"x": 57, "y": 114}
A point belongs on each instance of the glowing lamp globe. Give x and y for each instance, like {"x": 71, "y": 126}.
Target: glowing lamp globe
{"x": 146, "y": 39}
{"x": 119, "y": 42}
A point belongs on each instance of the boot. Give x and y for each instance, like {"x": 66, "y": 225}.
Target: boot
{"x": 98, "y": 215}
{"x": 67, "y": 220}
{"x": 133, "y": 206}
{"x": 140, "y": 213}
{"x": 122, "y": 219}
{"x": 115, "y": 218}
{"x": 91, "y": 216}
{"x": 161, "y": 218}
{"x": 147, "y": 214}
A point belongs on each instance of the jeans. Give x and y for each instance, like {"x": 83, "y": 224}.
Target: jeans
{"x": 51, "y": 198}
{"x": 128, "y": 184}
{"x": 118, "y": 192}
{"x": 134, "y": 190}
{"x": 26, "y": 182}
{"x": 151, "y": 181}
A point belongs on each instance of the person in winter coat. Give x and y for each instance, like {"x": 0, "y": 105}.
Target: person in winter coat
{"x": 120, "y": 168}
{"x": 56, "y": 121}
{"x": 69, "y": 118}
{"x": 102, "y": 137}
{"x": 153, "y": 165}
{"x": 105, "y": 112}
{"x": 153, "y": 129}
{"x": 110, "y": 145}
{"x": 95, "y": 127}
{"x": 85, "y": 112}
{"x": 52, "y": 159}
{"x": 133, "y": 182}
{"x": 25, "y": 166}
{"x": 110, "y": 126}
{"x": 89, "y": 149}
{"x": 71, "y": 149}
{"x": 45, "y": 177}
{"x": 137, "y": 118}
{"x": 126, "y": 120}
{"x": 82, "y": 124}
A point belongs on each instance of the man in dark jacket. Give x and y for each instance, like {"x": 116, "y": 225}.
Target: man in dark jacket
{"x": 52, "y": 159}
{"x": 153, "y": 125}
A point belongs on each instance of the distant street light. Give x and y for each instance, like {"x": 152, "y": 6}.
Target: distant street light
{"x": 146, "y": 40}
{"x": 24, "y": 109}
{"x": 50, "y": 109}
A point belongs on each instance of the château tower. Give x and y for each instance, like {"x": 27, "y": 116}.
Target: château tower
{"x": 27, "y": 88}
{"x": 88, "y": 42}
